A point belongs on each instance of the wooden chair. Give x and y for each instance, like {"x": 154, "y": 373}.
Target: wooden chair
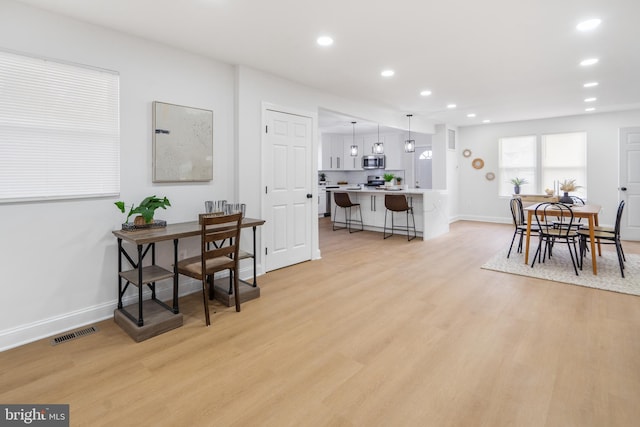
{"x": 605, "y": 237}
{"x": 343, "y": 201}
{"x": 398, "y": 203}
{"x": 551, "y": 233}
{"x": 219, "y": 246}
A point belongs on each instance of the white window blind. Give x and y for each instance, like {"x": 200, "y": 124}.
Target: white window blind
{"x": 564, "y": 156}
{"x": 59, "y": 130}
{"x": 517, "y": 159}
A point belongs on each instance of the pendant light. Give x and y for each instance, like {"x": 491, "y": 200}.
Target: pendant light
{"x": 378, "y": 147}
{"x": 354, "y": 147}
{"x": 409, "y": 144}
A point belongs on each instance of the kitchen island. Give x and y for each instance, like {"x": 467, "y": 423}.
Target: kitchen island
{"x": 430, "y": 208}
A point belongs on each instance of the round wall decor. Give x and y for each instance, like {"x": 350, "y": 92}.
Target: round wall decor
{"x": 490, "y": 176}
{"x": 466, "y": 153}
{"x": 477, "y": 163}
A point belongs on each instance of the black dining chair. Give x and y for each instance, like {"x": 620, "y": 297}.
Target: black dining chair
{"x": 517, "y": 214}
{"x": 547, "y": 216}
{"x": 605, "y": 237}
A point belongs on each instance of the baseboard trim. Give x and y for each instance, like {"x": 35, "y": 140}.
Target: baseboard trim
{"x": 34, "y": 331}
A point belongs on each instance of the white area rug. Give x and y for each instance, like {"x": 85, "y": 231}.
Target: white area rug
{"x": 559, "y": 269}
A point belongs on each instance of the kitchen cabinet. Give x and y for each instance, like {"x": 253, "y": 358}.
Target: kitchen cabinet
{"x": 322, "y": 201}
{"x": 394, "y": 151}
{"x": 352, "y": 163}
{"x": 332, "y": 152}
{"x": 372, "y": 206}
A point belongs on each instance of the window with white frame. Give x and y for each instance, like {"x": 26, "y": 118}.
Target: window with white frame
{"x": 517, "y": 159}
{"x": 59, "y": 130}
{"x": 564, "y": 157}
{"x": 543, "y": 162}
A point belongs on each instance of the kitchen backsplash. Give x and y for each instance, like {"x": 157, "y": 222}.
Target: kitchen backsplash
{"x": 356, "y": 177}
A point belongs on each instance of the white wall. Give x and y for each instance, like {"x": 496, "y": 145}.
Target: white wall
{"x": 479, "y": 199}
{"x": 59, "y": 259}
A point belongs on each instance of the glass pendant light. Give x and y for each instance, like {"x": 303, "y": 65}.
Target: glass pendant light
{"x": 378, "y": 147}
{"x": 409, "y": 144}
{"x": 354, "y": 147}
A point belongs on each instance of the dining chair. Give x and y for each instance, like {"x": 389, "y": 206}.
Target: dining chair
{"x": 517, "y": 214}
{"x": 605, "y": 237}
{"x": 219, "y": 246}
{"x": 343, "y": 201}
{"x": 398, "y": 203}
{"x": 547, "y": 215}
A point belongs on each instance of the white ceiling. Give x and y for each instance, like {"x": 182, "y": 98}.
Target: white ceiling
{"x": 504, "y": 60}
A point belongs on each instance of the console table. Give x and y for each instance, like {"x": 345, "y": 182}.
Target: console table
{"x": 166, "y": 317}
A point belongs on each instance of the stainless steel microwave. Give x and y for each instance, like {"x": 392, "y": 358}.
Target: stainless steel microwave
{"x": 375, "y": 161}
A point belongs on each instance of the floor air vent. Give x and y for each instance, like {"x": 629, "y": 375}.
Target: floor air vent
{"x": 73, "y": 335}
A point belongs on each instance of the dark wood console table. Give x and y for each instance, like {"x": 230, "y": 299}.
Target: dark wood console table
{"x": 149, "y": 275}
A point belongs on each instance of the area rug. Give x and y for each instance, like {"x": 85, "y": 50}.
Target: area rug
{"x": 559, "y": 269}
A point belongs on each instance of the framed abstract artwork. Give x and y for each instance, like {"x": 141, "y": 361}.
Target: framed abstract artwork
{"x": 182, "y": 143}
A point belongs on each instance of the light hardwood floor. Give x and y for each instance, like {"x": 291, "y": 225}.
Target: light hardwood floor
{"x": 377, "y": 333}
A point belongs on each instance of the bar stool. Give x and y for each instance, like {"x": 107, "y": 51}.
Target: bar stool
{"x": 398, "y": 203}
{"x": 343, "y": 201}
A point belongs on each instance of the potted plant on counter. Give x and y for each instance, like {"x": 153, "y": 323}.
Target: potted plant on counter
{"x": 145, "y": 210}
{"x": 517, "y": 182}
{"x": 388, "y": 179}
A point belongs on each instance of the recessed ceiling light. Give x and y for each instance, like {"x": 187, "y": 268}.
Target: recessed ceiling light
{"x": 387, "y": 73}
{"x": 324, "y": 41}
{"x": 486, "y": 121}
{"x": 425, "y": 93}
{"x": 590, "y": 109}
{"x": 471, "y": 115}
{"x": 590, "y": 84}
{"x": 451, "y": 106}
{"x": 590, "y": 61}
{"x": 590, "y": 99}
{"x": 588, "y": 25}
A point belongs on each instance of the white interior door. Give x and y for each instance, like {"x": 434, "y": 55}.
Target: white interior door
{"x": 288, "y": 205}
{"x": 630, "y": 182}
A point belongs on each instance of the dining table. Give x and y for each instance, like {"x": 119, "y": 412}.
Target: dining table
{"x": 589, "y": 211}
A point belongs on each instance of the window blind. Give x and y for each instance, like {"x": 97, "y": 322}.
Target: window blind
{"x": 59, "y": 130}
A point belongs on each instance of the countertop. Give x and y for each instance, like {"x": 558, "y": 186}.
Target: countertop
{"x": 394, "y": 190}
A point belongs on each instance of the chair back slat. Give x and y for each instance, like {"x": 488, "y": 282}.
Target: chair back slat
{"x": 220, "y": 236}
{"x": 517, "y": 212}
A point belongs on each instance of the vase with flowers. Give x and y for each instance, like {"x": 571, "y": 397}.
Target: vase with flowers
{"x": 566, "y": 187}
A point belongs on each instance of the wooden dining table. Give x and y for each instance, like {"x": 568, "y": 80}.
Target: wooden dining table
{"x": 579, "y": 211}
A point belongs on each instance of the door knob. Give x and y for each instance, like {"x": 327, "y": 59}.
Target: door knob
{"x": 309, "y": 196}
{"x": 623, "y": 188}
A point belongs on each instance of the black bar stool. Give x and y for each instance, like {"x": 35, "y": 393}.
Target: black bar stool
{"x": 398, "y": 203}
{"x": 342, "y": 200}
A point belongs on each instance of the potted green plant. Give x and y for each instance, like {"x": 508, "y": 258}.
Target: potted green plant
{"x": 388, "y": 179}
{"x": 323, "y": 176}
{"x": 517, "y": 182}
{"x": 145, "y": 210}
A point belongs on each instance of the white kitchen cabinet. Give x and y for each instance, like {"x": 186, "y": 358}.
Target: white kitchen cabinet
{"x": 352, "y": 163}
{"x": 394, "y": 151}
{"x": 332, "y": 152}
{"x": 372, "y": 206}
{"x": 322, "y": 202}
